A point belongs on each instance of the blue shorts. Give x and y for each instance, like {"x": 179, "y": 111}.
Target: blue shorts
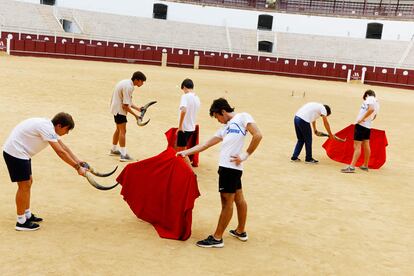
{"x": 19, "y": 169}
{"x": 229, "y": 180}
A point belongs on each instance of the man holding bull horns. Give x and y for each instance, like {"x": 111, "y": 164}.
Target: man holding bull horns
{"x": 26, "y": 140}
{"x": 121, "y": 105}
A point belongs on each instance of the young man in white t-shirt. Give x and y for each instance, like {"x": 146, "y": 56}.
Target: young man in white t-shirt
{"x": 304, "y": 117}
{"x": 233, "y": 134}
{"x": 121, "y": 105}
{"x": 26, "y": 140}
{"x": 367, "y": 113}
{"x": 188, "y": 110}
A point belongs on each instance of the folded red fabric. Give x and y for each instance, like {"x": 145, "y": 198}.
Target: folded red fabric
{"x": 161, "y": 190}
{"x": 343, "y": 151}
{"x": 172, "y": 139}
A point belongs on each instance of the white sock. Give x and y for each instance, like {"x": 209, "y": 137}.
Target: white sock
{"x": 21, "y": 219}
{"x": 28, "y": 213}
{"x": 123, "y": 151}
{"x": 114, "y": 147}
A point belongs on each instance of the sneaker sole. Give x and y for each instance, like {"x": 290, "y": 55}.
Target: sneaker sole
{"x": 26, "y": 229}
{"x": 244, "y": 239}
{"x": 113, "y": 154}
{"x": 126, "y": 160}
{"x": 211, "y": 246}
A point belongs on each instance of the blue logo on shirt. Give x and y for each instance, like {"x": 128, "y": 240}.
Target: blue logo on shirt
{"x": 236, "y": 131}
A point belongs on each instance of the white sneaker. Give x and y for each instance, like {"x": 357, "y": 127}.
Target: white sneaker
{"x": 114, "y": 152}
{"x": 126, "y": 158}
{"x": 348, "y": 169}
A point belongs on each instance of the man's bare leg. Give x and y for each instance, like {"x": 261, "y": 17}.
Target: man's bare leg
{"x": 227, "y": 200}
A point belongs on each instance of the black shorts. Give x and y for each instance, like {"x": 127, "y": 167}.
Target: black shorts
{"x": 361, "y": 133}
{"x": 19, "y": 169}
{"x": 229, "y": 180}
{"x": 183, "y": 137}
{"x": 120, "y": 119}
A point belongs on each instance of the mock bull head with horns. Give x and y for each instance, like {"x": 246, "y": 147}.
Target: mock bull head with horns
{"x": 143, "y": 110}
{"x": 89, "y": 176}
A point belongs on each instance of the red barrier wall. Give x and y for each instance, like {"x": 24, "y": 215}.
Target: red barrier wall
{"x": 112, "y": 51}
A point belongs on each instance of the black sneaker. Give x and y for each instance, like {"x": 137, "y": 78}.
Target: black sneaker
{"x": 242, "y": 236}
{"x": 312, "y": 161}
{"x": 292, "y": 159}
{"x": 33, "y": 218}
{"x": 27, "y": 226}
{"x": 210, "y": 242}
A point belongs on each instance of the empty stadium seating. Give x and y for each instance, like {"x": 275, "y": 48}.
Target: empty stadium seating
{"x": 36, "y": 31}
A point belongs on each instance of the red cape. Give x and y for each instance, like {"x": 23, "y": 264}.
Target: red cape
{"x": 161, "y": 190}
{"x": 172, "y": 140}
{"x": 343, "y": 151}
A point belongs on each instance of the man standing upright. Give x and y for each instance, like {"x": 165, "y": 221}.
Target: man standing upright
{"x": 233, "y": 134}
{"x": 121, "y": 105}
{"x": 362, "y": 133}
{"x": 189, "y": 106}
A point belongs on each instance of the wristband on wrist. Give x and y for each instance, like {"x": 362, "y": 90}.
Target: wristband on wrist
{"x": 243, "y": 156}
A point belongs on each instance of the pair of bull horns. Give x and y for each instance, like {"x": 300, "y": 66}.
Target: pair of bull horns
{"x": 89, "y": 176}
{"x": 143, "y": 110}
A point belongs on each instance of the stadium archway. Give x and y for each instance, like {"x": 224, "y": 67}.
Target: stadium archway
{"x": 265, "y": 22}
{"x": 48, "y": 2}
{"x": 160, "y": 11}
{"x": 265, "y": 46}
{"x": 69, "y": 26}
{"x": 374, "y": 30}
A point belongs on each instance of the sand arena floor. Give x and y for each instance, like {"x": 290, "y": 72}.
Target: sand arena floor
{"x": 302, "y": 219}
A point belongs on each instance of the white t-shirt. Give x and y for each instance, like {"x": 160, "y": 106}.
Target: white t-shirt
{"x": 192, "y": 104}
{"x": 122, "y": 95}
{"x": 233, "y": 135}
{"x": 369, "y": 101}
{"x": 30, "y": 137}
{"x": 311, "y": 111}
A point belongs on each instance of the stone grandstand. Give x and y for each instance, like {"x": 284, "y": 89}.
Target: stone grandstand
{"x": 33, "y": 18}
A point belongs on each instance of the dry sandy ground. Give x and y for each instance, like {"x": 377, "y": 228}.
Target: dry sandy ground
{"x": 303, "y": 219}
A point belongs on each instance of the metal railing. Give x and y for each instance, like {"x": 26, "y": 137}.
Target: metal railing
{"x": 248, "y": 4}
{"x": 403, "y": 9}
{"x": 351, "y": 8}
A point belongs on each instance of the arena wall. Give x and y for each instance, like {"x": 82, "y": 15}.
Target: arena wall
{"x": 66, "y": 47}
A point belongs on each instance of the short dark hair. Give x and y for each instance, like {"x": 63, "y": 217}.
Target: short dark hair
{"x": 63, "y": 119}
{"x": 187, "y": 83}
{"x": 138, "y": 76}
{"x": 367, "y": 93}
{"x": 219, "y": 105}
{"x": 328, "y": 109}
